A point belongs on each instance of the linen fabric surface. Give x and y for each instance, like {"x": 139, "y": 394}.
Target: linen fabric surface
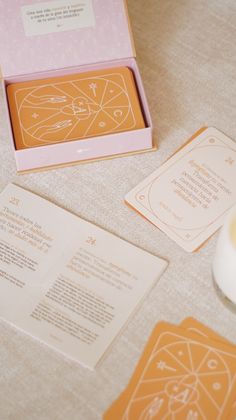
{"x": 186, "y": 53}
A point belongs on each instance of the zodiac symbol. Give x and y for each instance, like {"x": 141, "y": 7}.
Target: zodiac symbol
{"x": 229, "y": 160}
{"x": 181, "y": 392}
{"x": 15, "y": 201}
{"x": 118, "y": 113}
{"x": 91, "y": 241}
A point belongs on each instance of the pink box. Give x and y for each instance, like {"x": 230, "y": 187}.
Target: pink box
{"x": 60, "y": 37}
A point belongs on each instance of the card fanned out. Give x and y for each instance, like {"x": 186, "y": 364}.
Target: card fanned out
{"x": 185, "y": 372}
{"x": 189, "y": 196}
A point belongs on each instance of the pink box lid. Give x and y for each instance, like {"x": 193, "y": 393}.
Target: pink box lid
{"x": 38, "y": 36}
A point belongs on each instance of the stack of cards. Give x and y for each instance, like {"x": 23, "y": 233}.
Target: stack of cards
{"x": 74, "y": 107}
{"x": 185, "y": 372}
{"x": 189, "y": 196}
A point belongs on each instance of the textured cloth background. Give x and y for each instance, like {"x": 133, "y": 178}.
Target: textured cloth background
{"x": 186, "y": 53}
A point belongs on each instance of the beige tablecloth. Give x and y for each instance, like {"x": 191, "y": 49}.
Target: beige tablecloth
{"x": 186, "y": 53}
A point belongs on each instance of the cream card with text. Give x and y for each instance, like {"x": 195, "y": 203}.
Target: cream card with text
{"x": 189, "y": 196}
{"x": 65, "y": 281}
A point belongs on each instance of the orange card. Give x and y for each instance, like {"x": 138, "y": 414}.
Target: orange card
{"x": 197, "y": 327}
{"x": 180, "y": 376}
{"x": 74, "y": 107}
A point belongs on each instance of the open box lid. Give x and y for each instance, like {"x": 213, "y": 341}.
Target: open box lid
{"x": 38, "y": 36}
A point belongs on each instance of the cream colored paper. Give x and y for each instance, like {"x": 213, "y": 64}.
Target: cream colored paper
{"x": 65, "y": 281}
{"x": 57, "y": 16}
{"x": 189, "y": 196}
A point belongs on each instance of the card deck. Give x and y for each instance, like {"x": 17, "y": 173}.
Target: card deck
{"x": 74, "y": 107}
{"x": 181, "y": 375}
{"x": 197, "y": 327}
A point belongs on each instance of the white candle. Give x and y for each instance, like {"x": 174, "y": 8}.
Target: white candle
{"x": 224, "y": 263}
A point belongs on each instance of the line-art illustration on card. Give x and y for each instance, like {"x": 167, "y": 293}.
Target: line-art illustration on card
{"x": 183, "y": 379}
{"x": 74, "y": 107}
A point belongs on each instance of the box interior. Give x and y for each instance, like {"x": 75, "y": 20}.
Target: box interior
{"x": 105, "y": 43}
{"x": 31, "y": 43}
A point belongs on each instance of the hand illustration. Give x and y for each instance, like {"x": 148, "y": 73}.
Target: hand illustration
{"x": 44, "y": 99}
{"x": 46, "y": 129}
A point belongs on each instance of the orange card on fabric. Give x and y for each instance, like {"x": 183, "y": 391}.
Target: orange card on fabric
{"x": 181, "y": 375}
{"x": 74, "y": 107}
{"x": 197, "y": 327}
{"x": 191, "y": 193}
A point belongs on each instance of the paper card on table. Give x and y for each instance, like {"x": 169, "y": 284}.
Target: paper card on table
{"x": 189, "y": 196}
{"x": 66, "y": 281}
{"x": 180, "y": 375}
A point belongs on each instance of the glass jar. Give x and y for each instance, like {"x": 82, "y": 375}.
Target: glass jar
{"x": 224, "y": 262}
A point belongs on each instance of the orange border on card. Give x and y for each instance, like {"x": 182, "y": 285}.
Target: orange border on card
{"x": 118, "y": 407}
{"x": 196, "y": 134}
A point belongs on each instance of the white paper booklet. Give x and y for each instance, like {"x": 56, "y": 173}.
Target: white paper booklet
{"x": 65, "y": 281}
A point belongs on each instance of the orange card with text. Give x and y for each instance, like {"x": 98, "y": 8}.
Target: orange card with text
{"x": 74, "y": 107}
{"x": 181, "y": 375}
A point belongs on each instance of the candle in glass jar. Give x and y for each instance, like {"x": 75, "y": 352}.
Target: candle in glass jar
{"x": 224, "y": 263}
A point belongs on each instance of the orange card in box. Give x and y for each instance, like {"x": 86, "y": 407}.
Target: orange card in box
{"x": 74, "y": 107}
